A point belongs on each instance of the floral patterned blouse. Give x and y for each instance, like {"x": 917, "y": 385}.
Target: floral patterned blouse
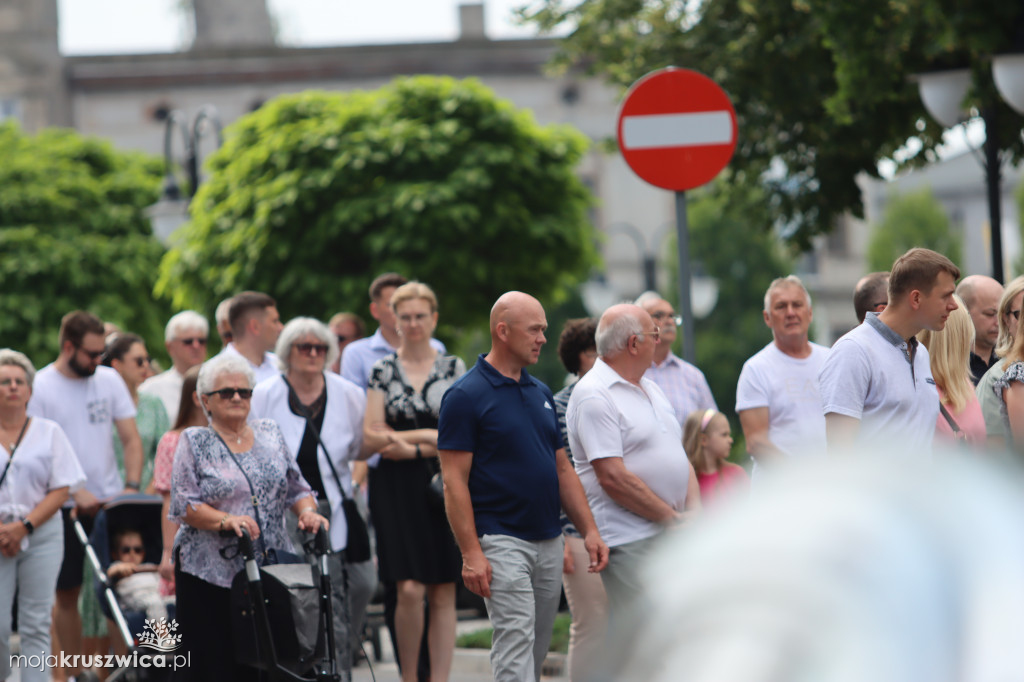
{"x": 205, "y": 472}
{"x": 1014, "y": 372}
{"x": 404, "y": 407}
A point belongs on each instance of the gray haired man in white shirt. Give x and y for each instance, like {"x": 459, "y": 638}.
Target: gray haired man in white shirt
{"x": 627, "y": 447}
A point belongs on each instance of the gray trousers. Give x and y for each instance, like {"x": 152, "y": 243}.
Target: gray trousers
{"x": 622, "y": 576}
{"x": 362, "y": 581}
{"x": 34, "y": 572}
{"x": 526, "y": 584}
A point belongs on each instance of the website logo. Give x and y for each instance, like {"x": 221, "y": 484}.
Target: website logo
{"x": 160, "y": 634}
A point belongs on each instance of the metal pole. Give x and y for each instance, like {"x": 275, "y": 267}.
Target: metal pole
{"x": 993, "y": 181}
{"x": 685, "y": 302}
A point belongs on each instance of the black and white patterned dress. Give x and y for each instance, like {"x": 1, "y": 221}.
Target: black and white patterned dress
{"x": 414, "y": 541}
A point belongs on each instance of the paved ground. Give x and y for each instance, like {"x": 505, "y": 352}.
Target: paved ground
{"x": 468, "y": 665}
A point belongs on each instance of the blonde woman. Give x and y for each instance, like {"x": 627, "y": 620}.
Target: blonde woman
{"x": 949, "y": 354}
{"x": 415, "y": 546}
{"x": 991, "y": 401}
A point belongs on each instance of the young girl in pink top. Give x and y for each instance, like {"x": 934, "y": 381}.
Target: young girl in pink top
{"x": 707, "y": 440}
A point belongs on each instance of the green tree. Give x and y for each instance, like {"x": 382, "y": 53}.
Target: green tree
{"x": 73, "y": 234}
{"x": 914, "y": 219}
{"x": 822, "y": 88}
{"x": 315, "y": 194}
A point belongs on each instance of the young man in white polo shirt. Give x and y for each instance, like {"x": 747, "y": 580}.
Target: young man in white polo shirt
{"x": 876, "y": 385}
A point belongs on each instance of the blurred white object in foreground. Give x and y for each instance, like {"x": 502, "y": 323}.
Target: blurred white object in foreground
{"x": 842, "y": 570}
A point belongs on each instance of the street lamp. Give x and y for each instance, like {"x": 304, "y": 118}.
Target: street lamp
{"x": 171, "y": 211}
{"x": 943, "y": 92}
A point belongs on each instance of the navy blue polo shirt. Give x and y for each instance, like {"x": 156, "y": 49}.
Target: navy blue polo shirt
{"x": 511, "y": 429}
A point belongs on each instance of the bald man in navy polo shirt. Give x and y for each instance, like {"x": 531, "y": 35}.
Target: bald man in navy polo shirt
{"x": 505, "y": 476}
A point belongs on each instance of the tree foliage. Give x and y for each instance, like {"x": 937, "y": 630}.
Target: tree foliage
{"x": 73, "y": 234}
{"x": 315, "y": 194}
{"x": 822, "y": 88}
{"x": 913, "y": 219}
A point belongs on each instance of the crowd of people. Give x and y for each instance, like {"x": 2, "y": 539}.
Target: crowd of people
{"x": 481, "y": 476}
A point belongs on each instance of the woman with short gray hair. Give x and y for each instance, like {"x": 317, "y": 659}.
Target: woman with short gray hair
{"x": 229, "y": 476}
{"x": 321, "y": 417}
{"x": 38, "y": 470}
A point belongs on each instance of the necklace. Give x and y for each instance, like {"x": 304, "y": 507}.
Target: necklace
{"x": 238, "y": 436}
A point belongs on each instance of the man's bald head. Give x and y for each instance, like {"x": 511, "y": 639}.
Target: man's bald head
{"x": 617, "y": 325}
{"x": 511, "y": 307}
{"x": 518, "y": 324}
{"x": 974, "y": 288}
{"x": 981, "y": 295}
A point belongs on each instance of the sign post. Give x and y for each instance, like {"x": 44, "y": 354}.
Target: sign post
{"x": 677, "y": 130}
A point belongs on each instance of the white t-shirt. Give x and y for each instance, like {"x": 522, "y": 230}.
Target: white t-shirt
{"x": 43, "y": 461}
{"x": 263, "y": 371}
{"x": 86, "y": 410}
{"x": 788, "y": 387}
{"x": 167, "y": 387}
{"x": 867, "y": 376}
{"x": 608, "y": 416}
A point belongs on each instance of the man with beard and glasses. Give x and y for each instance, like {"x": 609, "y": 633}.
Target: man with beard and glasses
{"x": 89, "y": 402}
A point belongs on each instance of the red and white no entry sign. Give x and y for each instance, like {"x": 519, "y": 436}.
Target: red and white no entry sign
{"x": 677, "y": 128}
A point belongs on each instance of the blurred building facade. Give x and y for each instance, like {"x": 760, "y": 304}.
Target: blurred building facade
{"x": 234, "y": 64}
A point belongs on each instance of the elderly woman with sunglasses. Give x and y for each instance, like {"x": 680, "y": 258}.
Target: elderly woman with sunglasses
{"x": 38, "y": 468}
{"x": 321, "y": 417}
{"x": 217, "y": 471}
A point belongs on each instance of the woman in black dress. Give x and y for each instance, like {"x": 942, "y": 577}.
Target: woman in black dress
{"x": 415, "y": 546}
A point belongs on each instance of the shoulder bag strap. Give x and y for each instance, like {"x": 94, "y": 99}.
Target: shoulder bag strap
{"x": 14, "y": 449}
{"x": 949, "y": 419}
{"x": 312, "y": 427}
{"x": 252, "y": 491}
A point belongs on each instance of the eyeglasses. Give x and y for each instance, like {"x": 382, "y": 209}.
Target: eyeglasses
{"x": 656, "y": 334}
{"x": 195, "y": 340}
{"x": 229, "y": 393}
{"x": 93, "y": 354}
{"x": 409, "y": 319}
{"x": 308, "y": 348}
{"x": 142, "y": 362}
{"x": 342, "y": 338}
{"x": 134, "y": 549}
{"x": 665, "y": 319}
{"x": 15, "y": 380}
{"x": 1016, "y": 314}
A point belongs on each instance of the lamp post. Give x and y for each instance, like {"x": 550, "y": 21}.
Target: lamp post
{"x": 171, "y": 211}
{"x": 943, "y": 92}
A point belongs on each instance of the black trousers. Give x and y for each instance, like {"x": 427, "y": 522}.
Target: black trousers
{"x": 204, "y": 622}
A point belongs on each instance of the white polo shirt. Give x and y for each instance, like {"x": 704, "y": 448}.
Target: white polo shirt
{"x": 869, "y": 376}
{"x": 608, "y": 416}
